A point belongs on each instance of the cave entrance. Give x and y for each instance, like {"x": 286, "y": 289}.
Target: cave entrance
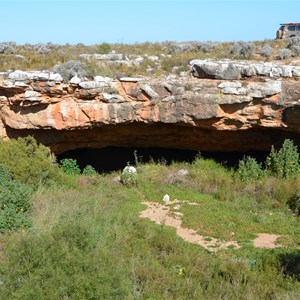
{"x": 116, "y": 158}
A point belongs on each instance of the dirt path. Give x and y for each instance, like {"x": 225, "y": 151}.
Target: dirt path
{"x": 161, "y": 214}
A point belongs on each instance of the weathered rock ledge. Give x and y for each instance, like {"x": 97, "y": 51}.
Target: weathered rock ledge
{"x": 223, "y": 106}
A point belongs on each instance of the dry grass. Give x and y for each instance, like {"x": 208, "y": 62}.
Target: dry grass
{"x": 30, "y": 59}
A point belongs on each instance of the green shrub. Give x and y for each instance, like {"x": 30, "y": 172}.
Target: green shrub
{"x": 27, "y": 161}
{"x": 89, "y": 171}
{"x": 11, "y": 220}
{"x": 294, "y": 202}
{"x": 14, "y": 203}
{"x": 284, "y": 163}
{"x": 103, "y": 48}
{"x": 249, "y": 169}
{"x": 70, "y": 166}
{"x": 16, "y": 195}
{"x": 5, "y": 174}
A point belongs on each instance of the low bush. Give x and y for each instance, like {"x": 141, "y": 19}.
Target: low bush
{"x": 103, "y": 48}
{"x": 70, "y": 166}
{"x": 71, "y": 68}
{"x": 284, "y": 53}
{"x": 266, "y": 51}
{"x": 206, "y": 47}
{"x": 27, "y": 161}
{"x": 5, "y": 175}
{"x": 249, "y": 169}
{"x": 295, "y": 50}
{"x": 14, "y": 203}
{"x": 294, "y": 202}
{"x": 7, "y": 47}
{"x": 242, "y": 50}
{"x": 89, "y": 171}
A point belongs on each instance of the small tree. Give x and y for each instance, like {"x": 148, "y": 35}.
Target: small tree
{"x": 283, "y": 163}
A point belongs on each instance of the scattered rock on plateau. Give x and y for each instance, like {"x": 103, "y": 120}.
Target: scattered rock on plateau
{"x": 93, "y": 84}
{"x": 75, "y": 80}
{"x": 109, "y": 56}
{"x": 234, "y": 70}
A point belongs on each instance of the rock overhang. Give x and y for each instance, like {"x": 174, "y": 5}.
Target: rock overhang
{"x": 233, "y": 106}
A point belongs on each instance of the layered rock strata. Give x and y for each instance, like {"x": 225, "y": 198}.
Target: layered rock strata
{"x": 222, "y": 106}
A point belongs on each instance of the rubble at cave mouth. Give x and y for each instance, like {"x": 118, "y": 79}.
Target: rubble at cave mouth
{"x": 116, "y": 158}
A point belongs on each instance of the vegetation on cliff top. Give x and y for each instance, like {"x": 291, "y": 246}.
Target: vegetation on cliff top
{"x": 139, "y": 59}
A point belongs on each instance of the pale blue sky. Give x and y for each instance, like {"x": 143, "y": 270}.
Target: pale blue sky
{"x": 130, "y": 21}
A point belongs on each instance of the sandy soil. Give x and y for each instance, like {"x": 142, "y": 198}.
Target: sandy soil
{"x": 161, "y": 215}
{"x": 265, "y": 240}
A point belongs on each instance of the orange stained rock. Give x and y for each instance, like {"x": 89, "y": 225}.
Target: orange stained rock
{"x": 274, "y": 99}
{"x": 127, "y": 89}
{"x": 186, "y": 112}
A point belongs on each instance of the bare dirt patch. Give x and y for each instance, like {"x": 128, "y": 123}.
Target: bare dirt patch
{"x": 265, "y": 240}
{"x": 162, "y": 215}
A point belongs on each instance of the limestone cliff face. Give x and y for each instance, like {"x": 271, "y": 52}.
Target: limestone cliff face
{"x": 221, "y": 106}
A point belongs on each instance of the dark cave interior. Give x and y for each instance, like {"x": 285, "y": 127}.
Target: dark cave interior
{"x": 116, "y": 158}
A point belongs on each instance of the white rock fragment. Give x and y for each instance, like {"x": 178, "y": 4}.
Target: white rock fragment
{"x": 183, "y": 172}
{"x": 116, "y": 179}
{"x": 129, "y": 170}
{"x": 230, "y": 84}
{"x": 33, "y": 96}
{"x": 112, "y": 98}
{"x": 109, "y": 56}
{"x": 21, "y": 84}
{"x": 149, "y": 91}
{"x": 75, "y": 80}
{"x": 55, "y": 77}
{"x": 87, "y": 85}
{"x": 153, "y": 58}
{"x": 166, "y": 198}
{"x": 29, "y": 94}
{"x": 132, "y": 79}
{"x": 102, "y": 79}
